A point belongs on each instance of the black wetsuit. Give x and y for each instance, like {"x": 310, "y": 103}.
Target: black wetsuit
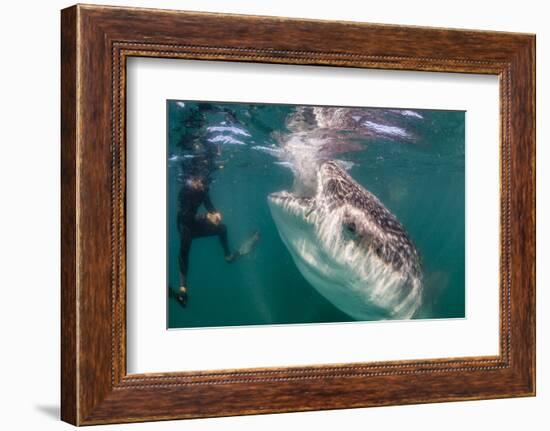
{"x": 192, "y": 225}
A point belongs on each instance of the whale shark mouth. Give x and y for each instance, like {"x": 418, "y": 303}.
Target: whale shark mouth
{"x": 349, "y": 247}
{"x": 299, "y": 206}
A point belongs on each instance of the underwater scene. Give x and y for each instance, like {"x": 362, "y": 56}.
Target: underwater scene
{"x": 294, "y": 214}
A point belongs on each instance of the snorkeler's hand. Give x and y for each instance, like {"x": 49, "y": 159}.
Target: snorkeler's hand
{"x": 214, "y": 217}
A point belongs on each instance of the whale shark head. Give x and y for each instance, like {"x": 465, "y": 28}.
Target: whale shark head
{"x": 349, "y": 246}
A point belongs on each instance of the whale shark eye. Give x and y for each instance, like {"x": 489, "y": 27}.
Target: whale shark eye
{"x": 350, "y": 227}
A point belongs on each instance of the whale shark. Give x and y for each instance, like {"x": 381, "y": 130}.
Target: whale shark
{"x": 349, "y": 246}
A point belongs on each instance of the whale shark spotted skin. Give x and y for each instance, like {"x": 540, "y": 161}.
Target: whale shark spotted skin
{"x": 350, "y": 247}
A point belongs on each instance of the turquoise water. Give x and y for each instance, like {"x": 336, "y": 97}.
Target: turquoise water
{"x": 420, "y": 179}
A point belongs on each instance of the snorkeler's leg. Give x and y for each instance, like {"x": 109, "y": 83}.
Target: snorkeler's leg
{"x": 204, "y": 227}
{"x": 183, "y": 261}
{"x": 222, "y": 236}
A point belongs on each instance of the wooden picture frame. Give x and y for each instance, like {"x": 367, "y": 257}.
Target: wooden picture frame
{"x": 96, "y": 41}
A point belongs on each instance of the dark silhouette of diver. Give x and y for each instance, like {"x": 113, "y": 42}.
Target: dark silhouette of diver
{"x": 192, "y": 224}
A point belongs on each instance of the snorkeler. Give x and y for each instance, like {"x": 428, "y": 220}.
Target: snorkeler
{"x": 194, "y": 193}
{"x": 195, "y": 176}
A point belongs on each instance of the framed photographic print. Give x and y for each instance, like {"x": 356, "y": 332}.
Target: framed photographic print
{"x": 285, "y": 220}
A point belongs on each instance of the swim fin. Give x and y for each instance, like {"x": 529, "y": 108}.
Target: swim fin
{"x": 249, "y": 244}
{"x": 178, "y": 296}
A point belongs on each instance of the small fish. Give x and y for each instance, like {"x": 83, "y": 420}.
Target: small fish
{"x": 226, "y": 140}
{"x": 231, "y": 129}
